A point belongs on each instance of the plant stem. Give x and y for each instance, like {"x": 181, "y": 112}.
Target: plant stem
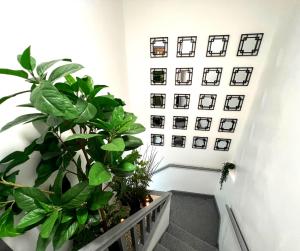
{"x": 15, "y": 185}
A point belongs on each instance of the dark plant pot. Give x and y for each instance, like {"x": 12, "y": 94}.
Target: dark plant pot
{"x": 134, "y": 206}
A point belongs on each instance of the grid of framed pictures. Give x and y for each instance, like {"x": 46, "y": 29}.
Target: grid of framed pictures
{"x": 207, "y": 101}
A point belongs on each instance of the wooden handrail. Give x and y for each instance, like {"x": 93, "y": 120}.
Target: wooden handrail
{"x": 116, "y": 234}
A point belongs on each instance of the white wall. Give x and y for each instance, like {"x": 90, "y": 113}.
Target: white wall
{"x": 195, "y": 181}
{"x": 265, "y": 193}
{"x": 90, "y": 32}
{"x": 173, "y": 18}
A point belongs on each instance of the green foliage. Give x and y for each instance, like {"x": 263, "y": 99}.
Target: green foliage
{"x": 225, "y": 171}
{"x": 79, "y": 123}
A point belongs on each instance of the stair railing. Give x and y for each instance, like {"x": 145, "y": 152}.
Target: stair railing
{"x": 135, "y": 232}
{"x": 237, "y": 229}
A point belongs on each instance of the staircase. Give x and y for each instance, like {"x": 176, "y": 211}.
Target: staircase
{"x": 194, "y": 224}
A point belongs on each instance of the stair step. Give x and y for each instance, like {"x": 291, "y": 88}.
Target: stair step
{"x": 160, "y": 247}
{"x": 174, "y": 244}
{"x": 189, "y": 238}
{"x": 197, "y": 214}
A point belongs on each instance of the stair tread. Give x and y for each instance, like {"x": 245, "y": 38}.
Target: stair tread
{"x": 190, "y": 239}
{"x": 160, "y": 247}
{"x": 172, "y": 243}
{"x": 196, "y": 214}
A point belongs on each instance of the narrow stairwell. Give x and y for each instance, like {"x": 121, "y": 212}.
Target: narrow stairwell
{"x": 194, "y": 224}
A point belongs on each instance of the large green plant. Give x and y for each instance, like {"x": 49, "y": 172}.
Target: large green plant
{"x": 86, "y": 136}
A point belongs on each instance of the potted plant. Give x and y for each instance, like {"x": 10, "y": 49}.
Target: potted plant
{"x": 225, "y": 171}
{"x": 133, "y": 190}
{"x": 87, "y": 138}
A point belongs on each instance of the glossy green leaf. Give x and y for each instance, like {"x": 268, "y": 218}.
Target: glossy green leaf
{"x": 43, "y": 67}
{"x": 48, "y": 99}
{"x": 105, "y": 102}
{"x": 70, "y": 80}
{"x": 98, "y": 174}
{"x": 127, "y": 167}
{"x": 66, "y": 218}
{"x": 42, "y": 243}
{"x": 17, "y": 73}
{"x": 117, "y": 116}
{"x": 86, "y": 85}
{"x": 87, "y": 111}
{"x": 3, "y": 99}
{"x": 44, "y": 170}
{"x": 7, "y": 224}
{"x": 82, "y": 215}
{"x": 64, "y": 70}
{"x": 25, "y": 59}
{"x": 48, "y": 225}
{"x": 22, "y": 119}
{"x": 82, "y": 136}
{"x": 63, "y": 233}
{"x": 95, "y": 91}
{"x": 100, "y": 199}
{"x": 25, "y": 198}
{"x": 115, "y": 145}
{"x": 76, "y": 195}
{"x": 135, "y": 129}
{"x": 31, "y": 218}
{"x": 132, "y": 142}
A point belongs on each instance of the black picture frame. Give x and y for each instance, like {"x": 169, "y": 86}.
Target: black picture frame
{"x": 246, "y": 48}
{"x": 203, "y": 123}
{"x": 157, "y": 139}
{"x": 157, "y": 121}
{"x": 158, "y": 47}
{"x": 222, "y": 144}
{"x": 181, "y": 101}
{"x": 158, "y": 100}
{"x": 180, "y": 122}
{"x": 180, "y": 45}
{"x": 199, "y": 142}
{"x": 241, "y": 76}
{"x": 207, "y": 80}
{"x": 230, "y": 106}
{"x": 183, "y": 76}
{"x": 178, "y": 141}
{"x": 227, "y": 125}
{"x": 203, "y": 106}
{"x": 158, "y": 76}
{"x": 212, "y": 42}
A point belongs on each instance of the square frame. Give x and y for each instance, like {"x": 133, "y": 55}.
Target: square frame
{"x": 157, "y": 139}
{"x": 227, "y": 120}
{"x": 180, "y": 119}
{"x": 212, "y": 39}
{"x": 177, "y": 100}
{"x": 198, "y": 126}
{"x": 154, "y": 97}
{"x": 213, "y": 98}
{"x": 216, "y": 82}
{"x": 158, "y": 51}
{"x": 219, "y": 141}
{"x": 179, "y": 76}
{"x": 204, "y": 142}
{"x": 248, "y": 72}
{"x": 180, "y": 141}
{"x": 159, "y": 123}
{"x": 255, "y": 49}
{"x": 180, "y": 42}
{"x": 154, "y": 77}
{"x": 238, "y": 107}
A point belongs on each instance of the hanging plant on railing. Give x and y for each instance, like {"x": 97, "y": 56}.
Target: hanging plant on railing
{"x": 225, "y": 171}
{"x": 101, "y": 131}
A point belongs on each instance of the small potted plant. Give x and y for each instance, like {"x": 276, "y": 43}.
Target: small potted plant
{"x": 227, "y": 166}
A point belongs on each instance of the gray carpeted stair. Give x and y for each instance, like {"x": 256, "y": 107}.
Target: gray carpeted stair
{"x": 194, "y": 224}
